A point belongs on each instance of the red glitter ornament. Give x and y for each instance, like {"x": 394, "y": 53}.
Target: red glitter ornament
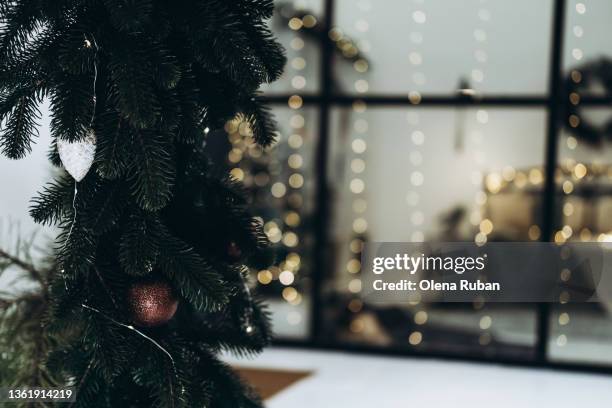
{"x": 151, "y": 303}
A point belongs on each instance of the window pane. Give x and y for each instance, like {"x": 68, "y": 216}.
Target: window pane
{"x": 281, "y": 184}
{"x": 403, "y": 175}
{"x": 438, "y": 46}
{"x": 587, "y": 34}
{"x": 583, "y": 332}
{"x": 296, "y": 25}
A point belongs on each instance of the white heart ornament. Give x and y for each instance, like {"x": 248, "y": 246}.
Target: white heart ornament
{"x": 77, "y": 157}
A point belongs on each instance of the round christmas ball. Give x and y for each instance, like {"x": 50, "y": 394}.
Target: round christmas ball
{"x": 151, "y": 303}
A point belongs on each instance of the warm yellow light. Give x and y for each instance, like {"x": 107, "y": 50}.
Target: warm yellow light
{"x": 295, "y": 23}
{"x": 278, "y": 189}
{"x": 295, "y": 141}
{"x": 486, "y": 226}
{"x": 295, "y": 102}
{"x": 359, "y": 146}
{"x": 520, "y": 180}
{"x": 356, "y": 246}
{"x": 359, "y": 106}
{"x": 508, "y": 173}
{"x": 360, "y": 225}
{"x": 298, "y": 63}
{"x": 357, "y": 186}
{"x": 309, "y": 21}
{"x": 567, "y": 231}
{"x": 559, "y": 237}
{"x": 298, "y": 82}
{"x": 534, "y": 233}
{"x": 290, "y": 294}
{"x": 585, "y": 235}
{"x": 264, "y": 277}
{"x": 286, "y": 277}
{"x": 296, "y": 180}
{"x": 353, "y": 266}
{"x": 237, "y": 173}
{"x": 290, "y": 239}
{"x": 562, "y": 340}
{"x": 297, "y": 43}
{"x": 235, "y": 155}
{"x": 358, "y": 166}
{"x": 295, "y": 161}
{"x": 292, "y": 219}
{"x": 574, "y": 121}
{"x": 485, "y": 322}
{"x": 420, "y": 317}
{"x": 493, "y": 183}
{"x": 361, "y": 65}
{"x": 415, "y": 338}
{"x": 354, "y": 286}
{"x": 580, "y": 171}
{"x": 535, "y": 176}
{"x": 362, "y": 86}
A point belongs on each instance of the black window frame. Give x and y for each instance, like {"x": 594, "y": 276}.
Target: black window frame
{"x": 553, "y": 102}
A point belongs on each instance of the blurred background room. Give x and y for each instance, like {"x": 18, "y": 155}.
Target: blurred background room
{"x": 422, "y": 120}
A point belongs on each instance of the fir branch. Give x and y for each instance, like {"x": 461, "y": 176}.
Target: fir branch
{"x": 197, "y": 282}
{"x": 132, "y": 72}
{"x": 21, "y": 126}
{"x": 152, "y": 170}
{"x": 140, "y": 244}
{"x": 71, "y": 106}
{"x": 103, "y": 213}
{"x": 50, "y": 205}
{"x": 129, "y": 16}
{"x": 34, "y": 273}
{"x": 167, "y": 71}
{"x": 262, "y": 123}
{"x": 112, "y": 155}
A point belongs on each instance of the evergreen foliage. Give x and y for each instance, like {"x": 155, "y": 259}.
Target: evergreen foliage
{"x": 24, "y": 345}
{"x": 152, "y": 206}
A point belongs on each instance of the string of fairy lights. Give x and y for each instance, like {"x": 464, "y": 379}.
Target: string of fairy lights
{"x": 281, "y": 172}
{"x": 417, "y": 139}
{"x": 485, "y": 225}
{"x": 579, "y": 171}
{"x": 290, "y": 266}
{"x": 285, "y": 175}
{"x": 358, "y": 154}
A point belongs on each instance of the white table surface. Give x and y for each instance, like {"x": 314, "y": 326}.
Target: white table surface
{"x": 357, "y": 381}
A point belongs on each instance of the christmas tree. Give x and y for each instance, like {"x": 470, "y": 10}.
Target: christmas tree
{"x": 154, "y": 242}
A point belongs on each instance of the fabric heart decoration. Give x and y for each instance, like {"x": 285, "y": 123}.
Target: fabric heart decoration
{"x": 77, "y": 157}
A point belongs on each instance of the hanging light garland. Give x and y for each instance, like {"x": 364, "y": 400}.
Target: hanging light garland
{"x": 281, "y": 173}
{"x": 358, "y": 163}
{"x": 573, "y": 120}
{"x": 418, "y": 138}
{"x": 493, "y": 181}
